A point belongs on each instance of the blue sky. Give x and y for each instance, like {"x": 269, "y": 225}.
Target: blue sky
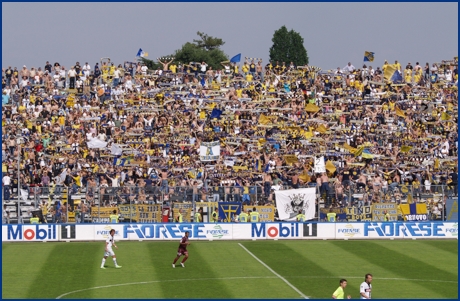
{"x": 334, "y": 33}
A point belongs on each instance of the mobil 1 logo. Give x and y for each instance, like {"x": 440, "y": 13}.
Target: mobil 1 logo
{"x": 67, "y": 231}
{"x": 310, "y": 229}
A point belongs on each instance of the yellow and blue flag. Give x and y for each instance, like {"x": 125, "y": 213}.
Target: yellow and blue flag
{"x": 142, "y": 53}
{"x": 368, "y": 56}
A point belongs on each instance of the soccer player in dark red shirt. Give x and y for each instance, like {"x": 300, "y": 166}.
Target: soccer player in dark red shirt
{"x": 182, "y": 250}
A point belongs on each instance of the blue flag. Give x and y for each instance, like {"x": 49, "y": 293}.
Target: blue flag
{"x": 236, "y": 58}
{"x": 215, "y": 113}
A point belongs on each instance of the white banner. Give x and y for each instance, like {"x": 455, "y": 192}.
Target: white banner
{"x": 290, "y": 202}
{"x": 96, "y": 143}
{"x": 210, "y": 151}
{"x": 320, "y": 166}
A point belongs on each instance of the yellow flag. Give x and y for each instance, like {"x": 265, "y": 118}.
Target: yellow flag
{"x": 436, "y": 163}
{"x": 330, "y": 166}
{"x": 291, "y": 159}
{"x": 304, "y": 178}
{"x": 359, "y": 151}
{"x": 399, "y": 112}
{"x": 349, "y": 148}
{"x": 311, "y": 108}
{"x": 405, "y": 149}
{"x": 445, "y": 116}
{"x": 263, "y": 119}
{"x": 322, "y": 129}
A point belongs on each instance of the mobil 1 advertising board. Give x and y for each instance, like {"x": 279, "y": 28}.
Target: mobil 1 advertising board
{"x": 293, "y": 230}
{"x": 18, "y": 232}
{"x": 387, "y": 230}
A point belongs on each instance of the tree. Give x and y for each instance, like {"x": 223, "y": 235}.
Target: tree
{"x": 288, "y": 47}
{"x": 207, "y": 42}
{"x": 206, "y": 49}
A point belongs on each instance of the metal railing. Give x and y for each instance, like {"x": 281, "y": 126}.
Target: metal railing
{"x": 151, "y": 203}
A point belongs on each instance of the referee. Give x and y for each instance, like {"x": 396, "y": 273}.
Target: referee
{"x": 339, "y": 292}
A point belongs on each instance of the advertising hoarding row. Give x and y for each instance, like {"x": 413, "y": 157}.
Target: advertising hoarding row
{"x": 230, "y": 231}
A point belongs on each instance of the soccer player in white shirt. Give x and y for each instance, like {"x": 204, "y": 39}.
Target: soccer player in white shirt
{"x": 110, "y": 241}
{"x": 366, "y": 287}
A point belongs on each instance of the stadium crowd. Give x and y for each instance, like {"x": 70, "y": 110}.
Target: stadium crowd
{"x": 89, "y": 128}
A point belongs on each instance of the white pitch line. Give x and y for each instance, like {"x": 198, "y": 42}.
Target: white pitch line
{"x": 158, "y": 281}
{"x": 278, "y": 275}
{"x": 233, "y": 278}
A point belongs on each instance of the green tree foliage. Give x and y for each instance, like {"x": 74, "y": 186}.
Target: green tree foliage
{"x": 207, "y": 42}
{"x": 288, "y": 47}
{"x": 206, "y": 49}
{"x": 150, "y": 64}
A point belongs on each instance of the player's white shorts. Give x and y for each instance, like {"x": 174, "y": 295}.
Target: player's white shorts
{"x": 109, "y": 253}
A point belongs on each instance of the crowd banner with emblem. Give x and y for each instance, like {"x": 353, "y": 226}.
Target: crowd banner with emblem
{"x": 414, "y": 212}
{"x": 290, "y": 202}
{"x": 341, "y": 213}
{"x": 210, "y": 151}
{"x": 378, "y": 215}
{"x": 359, "y": 214}
{"x": 266, "y": 213}
{"x": 452, "y": 210}
{"x": 228, "y": 210}
{"x": 320, "y": 166}
{"x": 102, "y": 214}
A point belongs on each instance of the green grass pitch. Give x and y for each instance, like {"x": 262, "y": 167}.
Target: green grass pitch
{"x": 226, "y": 269}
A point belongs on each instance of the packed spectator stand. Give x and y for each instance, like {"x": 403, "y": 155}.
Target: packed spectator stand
{"x": 91, "y": 139}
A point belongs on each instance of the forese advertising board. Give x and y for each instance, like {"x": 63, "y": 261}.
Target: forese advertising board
{"x": 230, "y": 231}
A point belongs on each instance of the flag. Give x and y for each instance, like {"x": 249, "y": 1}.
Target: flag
{"x": 405, "y": 149}
{"x": 291, "y": 159}
{"x": 414, "y": 211}
{"x": 330, "y": 166}
{"x": 116, "y": 149}
{"x": 368, "y": 56}
{"x": 400, "y": 112}
{"x": 236, "y": 58}
{"x": 141, "y": 53}
{"x": 119, "y": 161}
{"x": 445, "y": 116}
{"x": 305, "y": 178}
{"x": 312, "y": 108}
{"x": 210, "y": 151}
{"x": 263, "y": 119}
{"x": 359, "y": 151}
{"x": 96, "y": 143}
{"x": 367, "y": 154}
{"x": 290, "y": 202}
{"x": 215, "y": 113}
{"x": 392, "y": 74}
{"x": 322, "y": 129}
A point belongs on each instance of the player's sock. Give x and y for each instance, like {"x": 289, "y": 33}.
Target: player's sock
{"x": 103, "y": 262}
{"x": 115, "y": 261}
